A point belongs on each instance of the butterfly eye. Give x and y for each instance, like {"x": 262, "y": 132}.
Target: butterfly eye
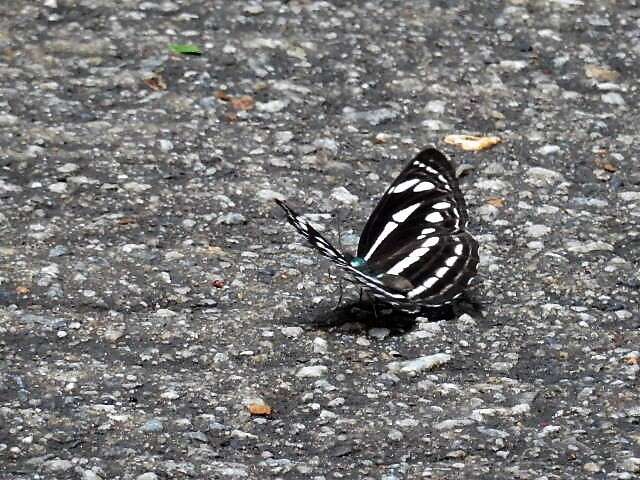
{"x": 357, "y": 262}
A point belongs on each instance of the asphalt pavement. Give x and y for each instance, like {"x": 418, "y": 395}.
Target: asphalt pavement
{"x": 159, "y": 319}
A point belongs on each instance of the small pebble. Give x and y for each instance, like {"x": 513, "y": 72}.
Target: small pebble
{"x": 548, "y": 149}
{"x": 68, "y": 167}
{"x": 58, "y": 465}
{"x": 342, "y": 195}
{"x": 147, "y": 476}
{"x": 419, "y": 364}
{"x": 153, "y": 426}
{"x": 315, "y": 371}
{"x": 613, "y": 98}
{"x": 170, "y": 395}
{"x": 58, "y": 187}
{"x": 319, "y": 345}
{"x": 231, "y": 219}
{"x": 537, "y": 231}
{"x": 632, "y": 464}
{"x": 373, "y": 117}
{"x": 272, "y": 106}
{"x": 379, "y": 333}
{"x": 292, "y": 332}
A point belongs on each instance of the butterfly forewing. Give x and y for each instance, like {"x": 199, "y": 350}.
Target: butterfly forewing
{"x": 417, "y": 231}
{"x": 325, "y": 248}
{"x": 312, "y": 235}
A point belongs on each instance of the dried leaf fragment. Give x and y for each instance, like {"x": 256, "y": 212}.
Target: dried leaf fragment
{"x": 496, "y": 202}
{"x": 605, "y": 165}
{"x": 632, "y": 358}
{"x": 259, "y": 409}
{"x": 222, "y": 95}
{"x": 245, "y": 102}
{"x": 601, "y": 74}
{"x": 155, "y": 82}
{"x": 216, "y": 251}
{"x": 471, "y": 142}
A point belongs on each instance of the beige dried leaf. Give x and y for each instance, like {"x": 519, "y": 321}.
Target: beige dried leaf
{"x": 601, "y": 74}
{"x": 472, "y": 143}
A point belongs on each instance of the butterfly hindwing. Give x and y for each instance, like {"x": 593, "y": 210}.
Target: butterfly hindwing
{"x": 417, "y": 231}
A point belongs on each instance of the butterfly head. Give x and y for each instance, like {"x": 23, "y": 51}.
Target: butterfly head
{"x": 357, "y": 262}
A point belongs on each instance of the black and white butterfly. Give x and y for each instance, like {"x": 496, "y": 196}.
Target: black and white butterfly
{"x": 414, "y": 251}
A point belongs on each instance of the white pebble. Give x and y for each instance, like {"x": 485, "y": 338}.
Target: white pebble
{"x": 231, "y": 219}
{"x": 58, "y": 465}
{"x": 272, "y": 106}
{"x": 165, "y": 145}
{"x": 292, "y": 332}
{"x": 535, "y": 245}
{"x": 314, "y": 371}
{"x": 68, "y": 168}
{"x": 541, "y": 177}
{"x": 58, "y": 187}
{"x": 326, "y": 144}
{"x": 419, "y": 364}
{"x": 283, "y": 137}
{"x": 343, "y": 195}
{"x": 632, "y": 464}
{"x": 537, "y": 231}
{"x": 629, "y": 196}
{"x": 51, "y": 270}
{"x": 147, "y": 476}
{"x": 435, "y": 106}
{"x": 136, "y": 187}
{"x": 613, "y": 98}
{"x": 319, "y": 345}
{"x": 268, "y": 195}
{"x": 548, "y": 149}
{"x": 170, "y": 395}
{"x": 379, "y": 333}
{"x": 576, "y": 246}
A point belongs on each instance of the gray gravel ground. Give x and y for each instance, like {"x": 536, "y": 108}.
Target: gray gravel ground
{"x": 152, "y": 297}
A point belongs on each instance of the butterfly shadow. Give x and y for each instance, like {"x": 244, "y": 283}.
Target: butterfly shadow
{"x": 360, "y": 316}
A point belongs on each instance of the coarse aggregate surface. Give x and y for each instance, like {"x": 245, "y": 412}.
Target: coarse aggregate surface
{"x": 154, "y": 304}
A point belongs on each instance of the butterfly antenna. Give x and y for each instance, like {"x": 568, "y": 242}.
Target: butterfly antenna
{"x": 373, "y": 305}
{"x": 341, "y": 293}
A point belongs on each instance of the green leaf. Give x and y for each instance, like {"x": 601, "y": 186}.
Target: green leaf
{"x": 185, "y": 49}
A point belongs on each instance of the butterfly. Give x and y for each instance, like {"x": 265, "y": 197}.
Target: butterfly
{"x": 414, "y": 250}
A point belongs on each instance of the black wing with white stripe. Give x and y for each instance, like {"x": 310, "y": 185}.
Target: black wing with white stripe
{"x": 375, "y": 285}
{"x": 313, "y": 236}
{"x": 417, "y": 232}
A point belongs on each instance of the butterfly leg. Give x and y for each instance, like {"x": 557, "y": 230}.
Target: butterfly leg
{"x": 341, "y": 293}
{"x": 371, "y": 299}
{"x": 373, "y": 305}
